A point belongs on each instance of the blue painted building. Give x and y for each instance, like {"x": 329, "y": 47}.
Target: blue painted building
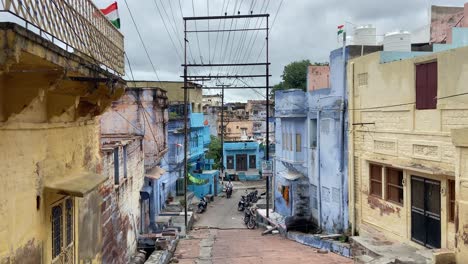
{"x": 311, "y": 149}
{"x": 242, "y": 158}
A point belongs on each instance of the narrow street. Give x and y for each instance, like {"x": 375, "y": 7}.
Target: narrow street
{"x": 219, "y": 236}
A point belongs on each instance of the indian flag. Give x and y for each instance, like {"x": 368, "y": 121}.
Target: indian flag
{"x": 340, "y": 29}
{"x": 112, "y": 13}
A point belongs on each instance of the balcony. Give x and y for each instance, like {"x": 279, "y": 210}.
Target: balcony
{"x": 75, "y": 25}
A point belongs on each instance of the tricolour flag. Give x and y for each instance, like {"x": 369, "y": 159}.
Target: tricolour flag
{"x": 112, "y": 13}
{"x": 340, "y": 29}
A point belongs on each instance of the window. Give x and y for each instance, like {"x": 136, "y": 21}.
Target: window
{"x": 285, "y": 193}
{"x": 451, "y": 192}
{"x": 230, "y": 162}
{"x": 57, "y": 235}
{"x": 69, "y": 216}
{"x": 362, "y": 79}
{"x": 125, "y": 161}
{"x": 61, "y": 217}
{"x": 298, "y": 143}
{"x": 116, "y": 166}
{"x": 395, "y": 185}
{"x": 426, "y": 86}
{"x": 313, "y": 133}
{"x": 375, "y": 172}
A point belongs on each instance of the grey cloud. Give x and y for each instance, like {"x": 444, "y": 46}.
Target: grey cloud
{"x": 304, "y": 29}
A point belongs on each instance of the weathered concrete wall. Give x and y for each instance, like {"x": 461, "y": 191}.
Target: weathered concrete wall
{"x": 141, "y": 111}
{"x": 175, "y": 93}
{"x": 318, "y": 77}
{"x": 35, "y": 156}
{"x": 120, "y": 208}
{"x": 398, "y": 135}
{"x": 47, "y": 134}
{"x": 443, "y": 18}
{"x": 460, "y": 141}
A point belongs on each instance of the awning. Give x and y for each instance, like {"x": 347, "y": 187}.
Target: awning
{"x": 78, "y": 184}
{"x": 155, "y": 173}
{"x": 292, "y": 176}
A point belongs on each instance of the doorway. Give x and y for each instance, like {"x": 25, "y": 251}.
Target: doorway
{"x": 241, "y": 162}
{"x": 425, "y": 212}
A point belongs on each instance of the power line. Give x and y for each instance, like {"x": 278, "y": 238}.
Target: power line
{"x": 142, "y": 42}
{"x": 198, "y": 40}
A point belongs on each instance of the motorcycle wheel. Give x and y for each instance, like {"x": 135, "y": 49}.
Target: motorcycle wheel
{"x": 251, "y": 224}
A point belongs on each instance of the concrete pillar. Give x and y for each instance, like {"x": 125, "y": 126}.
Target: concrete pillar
{"x": 460, "y": 140}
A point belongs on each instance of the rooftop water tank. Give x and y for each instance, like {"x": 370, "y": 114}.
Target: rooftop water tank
{"x": 365, "y": 35}
{"x": 397, "y": 41}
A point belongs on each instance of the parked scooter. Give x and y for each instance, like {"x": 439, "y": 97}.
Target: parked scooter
{"x": 202, "y": 205}
{"x": 242, "y": 204}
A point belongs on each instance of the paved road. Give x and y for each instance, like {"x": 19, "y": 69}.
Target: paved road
{"x": 220, "y": 237}
{"x": 222, "y": 213}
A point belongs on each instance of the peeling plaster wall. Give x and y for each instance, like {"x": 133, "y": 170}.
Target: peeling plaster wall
{"x": 30, "y": 157}
{"x": 120, "y": 208}
{"x": 142, "y": 112}
{"x": 417, "y": 141}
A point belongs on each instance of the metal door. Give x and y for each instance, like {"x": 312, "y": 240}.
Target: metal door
{"x": 425, "y": 212}
{"x": 241, "y": 162}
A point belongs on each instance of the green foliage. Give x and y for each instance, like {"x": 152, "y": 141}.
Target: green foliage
{"x": 214, "y": 151}
{"x": 173, "y": 115}
{"x": 295, "y": 76}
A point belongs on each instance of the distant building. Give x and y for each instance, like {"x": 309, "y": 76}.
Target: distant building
{"x": 212, "y": 100}
{"x": 256, "y": 110}
{"x": 242, "y": 160}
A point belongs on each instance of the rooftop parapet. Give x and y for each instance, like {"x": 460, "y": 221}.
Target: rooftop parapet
{"x": 78, "y": 24}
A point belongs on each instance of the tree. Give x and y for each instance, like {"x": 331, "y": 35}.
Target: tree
{"x": 214, "y": 151}
{"x": 295, "y": 76}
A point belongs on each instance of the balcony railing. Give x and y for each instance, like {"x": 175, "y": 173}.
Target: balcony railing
{"x": 77, "y": 23}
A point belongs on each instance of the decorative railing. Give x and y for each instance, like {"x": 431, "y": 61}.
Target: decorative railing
{"x": 77, "y": 23}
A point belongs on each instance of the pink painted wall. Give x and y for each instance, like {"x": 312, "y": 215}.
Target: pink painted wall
{"x": 147, "y": 117}
{"x": 443, "y": 18}
{"x": 318, "y": 77}
{"x": 465, "y": 19}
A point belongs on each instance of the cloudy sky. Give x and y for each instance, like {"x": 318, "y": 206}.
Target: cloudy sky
{"x": 303, "y": 29}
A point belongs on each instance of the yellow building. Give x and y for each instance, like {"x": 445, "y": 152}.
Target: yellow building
{"x": 49, "y": 138}
{"x": 404, "y": 168}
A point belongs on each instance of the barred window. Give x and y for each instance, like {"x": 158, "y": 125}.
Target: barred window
{"x": 362, "y": 79}
{"x": 69, "y": 215}
{"x": 57, "y": 235}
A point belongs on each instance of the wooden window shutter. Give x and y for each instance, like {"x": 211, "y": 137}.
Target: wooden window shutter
{"x": 426, "y": 86}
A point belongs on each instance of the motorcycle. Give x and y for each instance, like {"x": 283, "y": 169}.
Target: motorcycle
{"x": 228, "y": 191}
{"x": 242, "y": 204}
{"x": 250, "y": 216}
{"x": 202, "y": 205}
